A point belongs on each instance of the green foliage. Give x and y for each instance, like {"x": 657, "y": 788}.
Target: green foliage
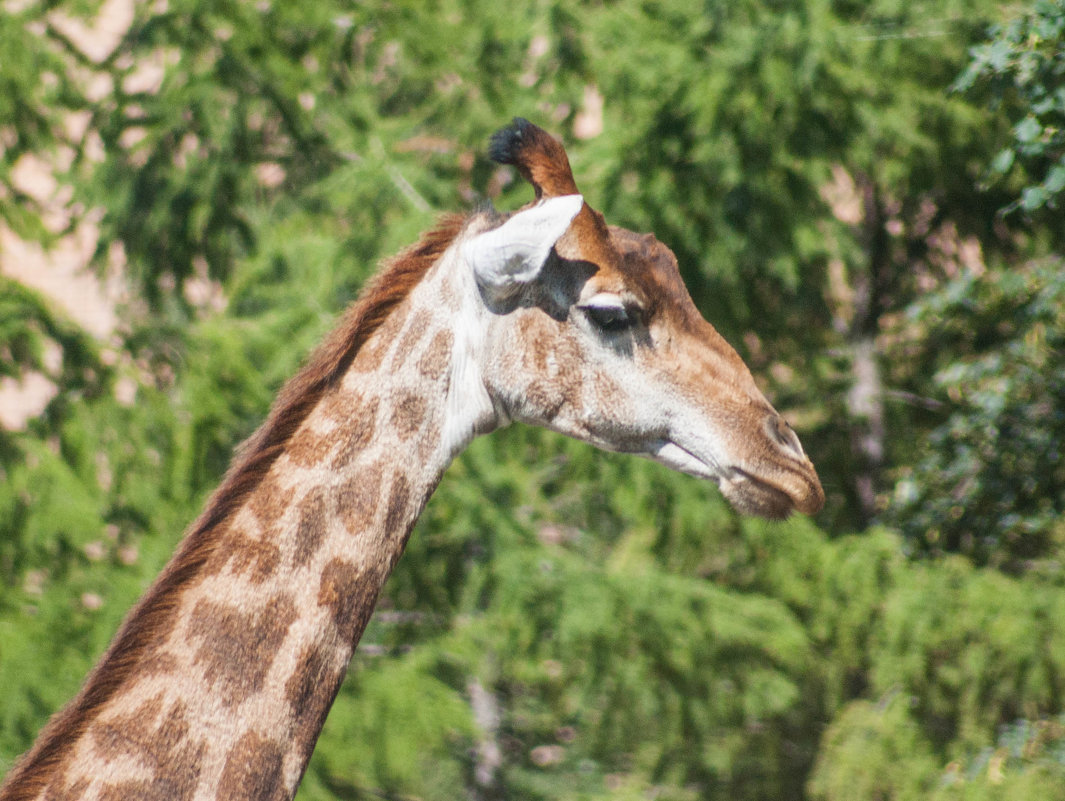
{"x": 1022, "y": 68}
{"x": 35, "y": 91}
{"x": 989, "y": 480}
{"x": 1027, "y": 761}
{"x": 575, "y": 718}
{"x": 874, "y": 750}
{"x": 973, "y": 649}
{"x": 956, "y": 656}
{"x": 29, "y": 326}
{"x": 387, "y": 697}
{"x": 271, "y": 100}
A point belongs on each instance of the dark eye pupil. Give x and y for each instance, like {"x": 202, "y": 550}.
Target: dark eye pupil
{"x": 608, "y": 318}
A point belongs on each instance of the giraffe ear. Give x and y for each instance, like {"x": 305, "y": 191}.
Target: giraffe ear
{"x": 512, "y": 255}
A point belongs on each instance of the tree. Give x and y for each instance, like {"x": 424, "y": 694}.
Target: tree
{"x": 990, "y": 482}
{"x": 1021, "y": 69}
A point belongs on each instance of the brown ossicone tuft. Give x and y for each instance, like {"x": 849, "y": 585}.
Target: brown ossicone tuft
{"x": 540, "y": 158}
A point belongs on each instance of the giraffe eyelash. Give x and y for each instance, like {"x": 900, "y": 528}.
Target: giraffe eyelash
{"x": 608, "y": 313}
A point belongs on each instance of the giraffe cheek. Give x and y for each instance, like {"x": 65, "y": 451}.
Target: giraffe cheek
{"x": 537, "y": 366}
{"x": 607, "y": 395}
{"x": 540, "y": 402}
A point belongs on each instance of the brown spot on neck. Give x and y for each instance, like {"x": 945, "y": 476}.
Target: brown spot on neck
{"x": 256, "y": 559}
{"x": 309, "y": 447}
{"x": 398, "y": 507}
{"x": 358, "y": 498}
{"x": 350, "y": 593}
{"x": 310, "y": 529}
{"x": 311, "y": 690}
{"x": 159, "y": 739}
{"x": 416, "y": 329}
{"x": 253, "y": 771}
{"x": 408, "y": 415}
{"x": 355, "y": 433}
{"x": 436, "y": 358}
{"x": 237, "y": 648}
{"x": 269, "y": 500}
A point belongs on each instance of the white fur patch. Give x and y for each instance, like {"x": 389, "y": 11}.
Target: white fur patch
{"x": 513, "y": 254}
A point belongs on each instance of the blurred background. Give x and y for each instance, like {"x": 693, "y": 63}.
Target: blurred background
{"x": 865, "y": 199}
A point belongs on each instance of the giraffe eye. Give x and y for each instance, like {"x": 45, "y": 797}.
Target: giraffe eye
{"x": 608, "y": 318}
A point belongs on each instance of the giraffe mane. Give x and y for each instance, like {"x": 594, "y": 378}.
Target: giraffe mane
{"x": 154, "y": 612}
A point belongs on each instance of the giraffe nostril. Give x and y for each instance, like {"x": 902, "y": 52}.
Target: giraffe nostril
{"x": 783, "y": 434}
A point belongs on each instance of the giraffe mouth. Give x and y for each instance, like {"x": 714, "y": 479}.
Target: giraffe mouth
{"x": 745, "y": 491}
{"x": 674, "y": 456}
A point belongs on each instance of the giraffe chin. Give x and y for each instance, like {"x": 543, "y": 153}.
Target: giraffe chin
{"x": 752, "y": 496}
{"x": 775, "y": 498}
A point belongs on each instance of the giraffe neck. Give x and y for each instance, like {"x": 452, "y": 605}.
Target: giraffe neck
{"x": 227, "y": 701}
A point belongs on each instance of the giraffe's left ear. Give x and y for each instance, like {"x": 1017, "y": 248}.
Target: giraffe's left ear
{"x": 512, "y": 255}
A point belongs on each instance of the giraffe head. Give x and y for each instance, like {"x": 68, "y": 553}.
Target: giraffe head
{"x": 592, "y": 333}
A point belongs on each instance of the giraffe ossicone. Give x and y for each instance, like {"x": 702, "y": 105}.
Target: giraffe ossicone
{"x": 219, "y": 681}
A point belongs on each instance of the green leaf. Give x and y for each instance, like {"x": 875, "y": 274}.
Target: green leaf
{"x": 1034, "y": 197}
{"x": 1028, "y": 130}
{"x": 1003, "y": 161}
{"x": 1055, "y": 180}
{"x": 998, "y": 55}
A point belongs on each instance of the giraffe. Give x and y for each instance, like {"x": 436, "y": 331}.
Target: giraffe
{"x": 220, "y": 678}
